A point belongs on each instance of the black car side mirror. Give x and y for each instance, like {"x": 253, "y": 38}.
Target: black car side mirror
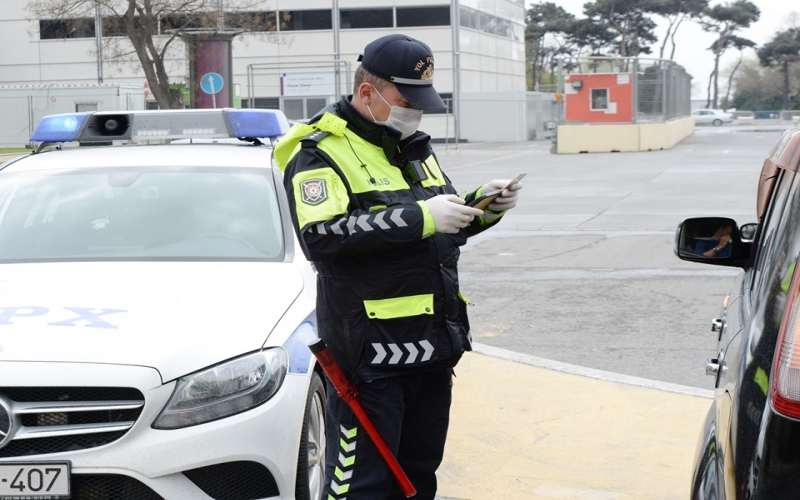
{"x": 715, "y": 240}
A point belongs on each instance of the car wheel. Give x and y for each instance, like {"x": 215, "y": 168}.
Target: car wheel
{"x": 311, "y": 459}
{"x": 704, "y": 485}
{"x": 717, "y": 122}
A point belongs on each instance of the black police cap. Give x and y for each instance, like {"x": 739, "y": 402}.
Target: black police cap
{"x": 406, "y": 62}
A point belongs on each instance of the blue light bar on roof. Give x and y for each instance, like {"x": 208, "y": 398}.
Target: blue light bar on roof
{"x": 137, "y": 126}
{"x": 58, "y": 128}
{"x": 257, "y": 122}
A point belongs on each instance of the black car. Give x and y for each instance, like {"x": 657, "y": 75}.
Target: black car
{"x": 750, "y": 444}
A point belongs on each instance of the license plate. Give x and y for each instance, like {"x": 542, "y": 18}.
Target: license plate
{"x": 34, "y": 481}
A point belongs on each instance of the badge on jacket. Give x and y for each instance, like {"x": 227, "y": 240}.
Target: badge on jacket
{"x": 314, "y": 191}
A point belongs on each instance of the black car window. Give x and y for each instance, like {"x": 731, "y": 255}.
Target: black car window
{"x": 139, "y": 214}
{"x": 777, "y": 274}
{"x": 786, "y": 187}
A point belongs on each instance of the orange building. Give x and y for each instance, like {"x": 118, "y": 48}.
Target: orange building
{"x": 599, "y": 98}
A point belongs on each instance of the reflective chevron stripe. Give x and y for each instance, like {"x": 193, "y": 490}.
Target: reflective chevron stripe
{"x": 363, "y": 223}
{"x": 340, "y": 483}
{"x": 382, "y": 350}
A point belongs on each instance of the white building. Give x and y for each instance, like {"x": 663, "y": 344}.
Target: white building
{"x": 478, "y": 59}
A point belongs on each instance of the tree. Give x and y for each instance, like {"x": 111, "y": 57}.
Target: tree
{"x": 150, "y": 29}
{"x": 739, "y": 44}
{"x": 675, "y": 12}
{"x": 629, "y": 19}
{"x": 725, "y": 20}
{"x": 592, "y": 36}
{"x": 782, "y": 51}
{"x": 546, "y": 25}
{"x": 757, "y": 87}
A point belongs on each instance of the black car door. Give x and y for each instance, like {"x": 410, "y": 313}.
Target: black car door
{"x": 748, "y": 358}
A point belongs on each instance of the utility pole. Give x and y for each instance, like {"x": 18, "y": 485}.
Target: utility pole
{"x": 337, "y": 53}
{"x": 98, "y": 35}
{"x": 456, "y": 101}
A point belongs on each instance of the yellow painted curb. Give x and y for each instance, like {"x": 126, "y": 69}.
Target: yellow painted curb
{"x": 521, "y": 432}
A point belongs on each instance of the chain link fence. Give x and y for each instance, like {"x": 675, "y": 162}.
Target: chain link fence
{"x": 301, "y": 89}
{"x": 654, "y": 90}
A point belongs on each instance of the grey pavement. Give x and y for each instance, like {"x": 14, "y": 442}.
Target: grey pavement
{"x": 591, "y": 336}
{"x": 583, "y": 270}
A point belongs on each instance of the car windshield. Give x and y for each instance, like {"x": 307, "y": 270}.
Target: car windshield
{"x": 139, "y": 214}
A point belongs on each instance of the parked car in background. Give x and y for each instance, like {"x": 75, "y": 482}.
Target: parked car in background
{"x": 714, "y": 117}
{"x": 749, "y": 447}
{"x": 155, "y": 314}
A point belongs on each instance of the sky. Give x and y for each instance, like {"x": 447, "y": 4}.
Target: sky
{"x": 692, "y": 41}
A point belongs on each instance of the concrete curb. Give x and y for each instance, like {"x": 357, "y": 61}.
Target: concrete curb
{"x": 548, "y": 364}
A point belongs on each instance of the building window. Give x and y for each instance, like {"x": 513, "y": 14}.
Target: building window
{"x": 262, "y": 102}
{"x": 84, "y": 107}
{"x": 503, "y": 28}
{"x": 599, "y": 99}
{"x": 470, "y": 18}
{"x": 488, "y": 23}
{"x": 366, "y": 18}
{"x": 423, "y": 16}
{"x": 518, "y": 32}
{"x": 68, "y": 28}
{"x": 251, "y": 21}
{"x": 115, "y": 26}
{"x": 194, "y": 20}
{"x": 300, "y": 20}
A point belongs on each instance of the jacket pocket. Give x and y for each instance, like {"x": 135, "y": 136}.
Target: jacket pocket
{"x": 401, "y": 331}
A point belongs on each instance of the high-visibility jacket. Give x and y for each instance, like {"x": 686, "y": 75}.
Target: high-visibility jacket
{"x": 388, "y": 291}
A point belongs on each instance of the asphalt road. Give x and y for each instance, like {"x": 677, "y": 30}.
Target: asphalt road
{"x": 583, "y": 271}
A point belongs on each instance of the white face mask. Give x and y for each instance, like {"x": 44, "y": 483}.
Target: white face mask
{"x": 404, "y": 120}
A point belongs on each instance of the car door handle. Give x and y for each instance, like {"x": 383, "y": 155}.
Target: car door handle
{"x": 712, "y": 366}
{"x": 716, "y": 325}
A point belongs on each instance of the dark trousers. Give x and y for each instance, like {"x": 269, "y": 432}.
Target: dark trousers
{"x": 411, "y": 413}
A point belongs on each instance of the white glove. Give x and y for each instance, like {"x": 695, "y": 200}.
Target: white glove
{"x": 507, "y": 199}
{"x": 450, "y": 213}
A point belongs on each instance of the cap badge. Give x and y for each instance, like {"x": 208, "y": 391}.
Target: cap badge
{"x": 426, "y": 67}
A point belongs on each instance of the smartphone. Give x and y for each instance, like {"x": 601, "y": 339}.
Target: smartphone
{"x": 484, "y": 200}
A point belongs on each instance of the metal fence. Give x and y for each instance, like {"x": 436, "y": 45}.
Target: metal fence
{"x": 300, "y": 90}
{"x": 661, "y": 88}
{"x": 20, "y": 114}
{"x": 507, "y": 116}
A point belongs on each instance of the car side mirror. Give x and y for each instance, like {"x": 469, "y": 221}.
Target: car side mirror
{"x": 748, "y": 232}
{"x": 714, "y": 240}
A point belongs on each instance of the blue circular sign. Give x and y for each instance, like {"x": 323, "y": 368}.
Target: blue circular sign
{"x": 211, "y": 83}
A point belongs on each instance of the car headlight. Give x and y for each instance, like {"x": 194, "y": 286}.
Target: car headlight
{"x": 224, "y": 390}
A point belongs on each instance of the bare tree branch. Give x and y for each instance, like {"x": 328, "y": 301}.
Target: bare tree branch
{"x": 153, "y": 30}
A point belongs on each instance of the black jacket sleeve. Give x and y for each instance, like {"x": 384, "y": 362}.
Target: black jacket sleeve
{"x": 335, "y": 227}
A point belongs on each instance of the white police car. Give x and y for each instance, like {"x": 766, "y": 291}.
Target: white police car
{"x": 155, "y": 312}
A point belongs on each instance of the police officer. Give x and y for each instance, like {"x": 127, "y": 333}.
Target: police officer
{"x": 383, "y": 225}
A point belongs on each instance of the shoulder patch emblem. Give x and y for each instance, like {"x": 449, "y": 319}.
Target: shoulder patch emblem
{"x": 314, "y": 191}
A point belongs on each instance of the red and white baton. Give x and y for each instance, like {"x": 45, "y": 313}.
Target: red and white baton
{"x": 349, "y": 394}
